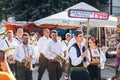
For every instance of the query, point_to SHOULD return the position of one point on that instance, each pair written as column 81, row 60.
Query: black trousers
column 80, row 75
column 43, row 64
column 54, row 70
column 12, row 67
column 23, row 73
column 95, row 72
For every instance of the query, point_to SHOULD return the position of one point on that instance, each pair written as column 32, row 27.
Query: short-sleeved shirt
column 5, row 76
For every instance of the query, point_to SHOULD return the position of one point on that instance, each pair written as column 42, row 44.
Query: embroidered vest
column 94, row 60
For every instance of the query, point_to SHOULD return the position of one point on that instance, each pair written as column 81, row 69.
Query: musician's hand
column 99, row 65
column 24, row 60
column 67, row 64
column 65, row 52
column 30, row 57
column 85, row 64
column 57, row 58
column 84, row 54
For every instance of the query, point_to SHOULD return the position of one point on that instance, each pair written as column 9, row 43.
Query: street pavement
column 106, row 73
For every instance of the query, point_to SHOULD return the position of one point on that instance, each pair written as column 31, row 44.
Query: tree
column 31, row 10
column 4, row 6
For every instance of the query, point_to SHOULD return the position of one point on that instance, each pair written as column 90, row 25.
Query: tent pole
column 88, row 29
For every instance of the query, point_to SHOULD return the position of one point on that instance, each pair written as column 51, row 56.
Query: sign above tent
column 76, row 13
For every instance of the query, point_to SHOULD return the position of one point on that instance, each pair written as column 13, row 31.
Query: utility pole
column 111, row 4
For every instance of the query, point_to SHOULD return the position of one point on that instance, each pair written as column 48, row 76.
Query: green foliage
column 31, row 10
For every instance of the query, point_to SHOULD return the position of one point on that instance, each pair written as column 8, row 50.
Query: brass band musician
column 8, row 45
column 65, row 43
column 53, row 53
column 23, row 55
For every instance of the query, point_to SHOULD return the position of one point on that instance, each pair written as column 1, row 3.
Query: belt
column 52, row 60
column 20, row 64
column 95, row 64
column 41, row 55
column 78, row 68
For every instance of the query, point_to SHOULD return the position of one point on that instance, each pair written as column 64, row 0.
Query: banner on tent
column 76, row 13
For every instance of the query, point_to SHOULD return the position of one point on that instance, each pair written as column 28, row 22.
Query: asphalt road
column 106, row 73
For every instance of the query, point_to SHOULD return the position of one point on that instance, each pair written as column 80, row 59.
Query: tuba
column 28, row 62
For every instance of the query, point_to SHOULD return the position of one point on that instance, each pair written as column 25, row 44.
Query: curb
column 110, row 65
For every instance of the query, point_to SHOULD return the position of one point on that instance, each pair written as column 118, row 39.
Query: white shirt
column 64, row 45
column 5, row 44
column 21, row 52
column 17, row 40
column 95, row 53
column 53, row 47
column 72, row 41
column 73, row 56
column 43, row 43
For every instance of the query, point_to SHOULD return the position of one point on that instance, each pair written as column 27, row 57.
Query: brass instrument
column 65, row 53
column 9, row 49
column 60, row 57
column 28, row 62
column 9, row 54
column 62, row 60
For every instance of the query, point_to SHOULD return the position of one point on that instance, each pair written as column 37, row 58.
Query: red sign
column 75, row 13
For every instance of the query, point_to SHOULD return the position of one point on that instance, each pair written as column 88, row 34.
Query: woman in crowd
column 97, row 60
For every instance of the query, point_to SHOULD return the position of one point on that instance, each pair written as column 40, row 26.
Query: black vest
column 78, row 55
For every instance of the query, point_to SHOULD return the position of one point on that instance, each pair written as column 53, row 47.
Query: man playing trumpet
column 23, row 56
column 53, row 53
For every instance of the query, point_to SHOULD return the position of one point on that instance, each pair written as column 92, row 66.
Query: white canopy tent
column 61, row 20
column 82, row 6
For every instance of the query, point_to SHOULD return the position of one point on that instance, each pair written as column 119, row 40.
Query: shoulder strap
column 65, row 43
column 7, row 43
column 18, row 39
column 99, row 50
column 90, row 53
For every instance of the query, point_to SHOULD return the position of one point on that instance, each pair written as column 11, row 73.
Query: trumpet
column 28, row 62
